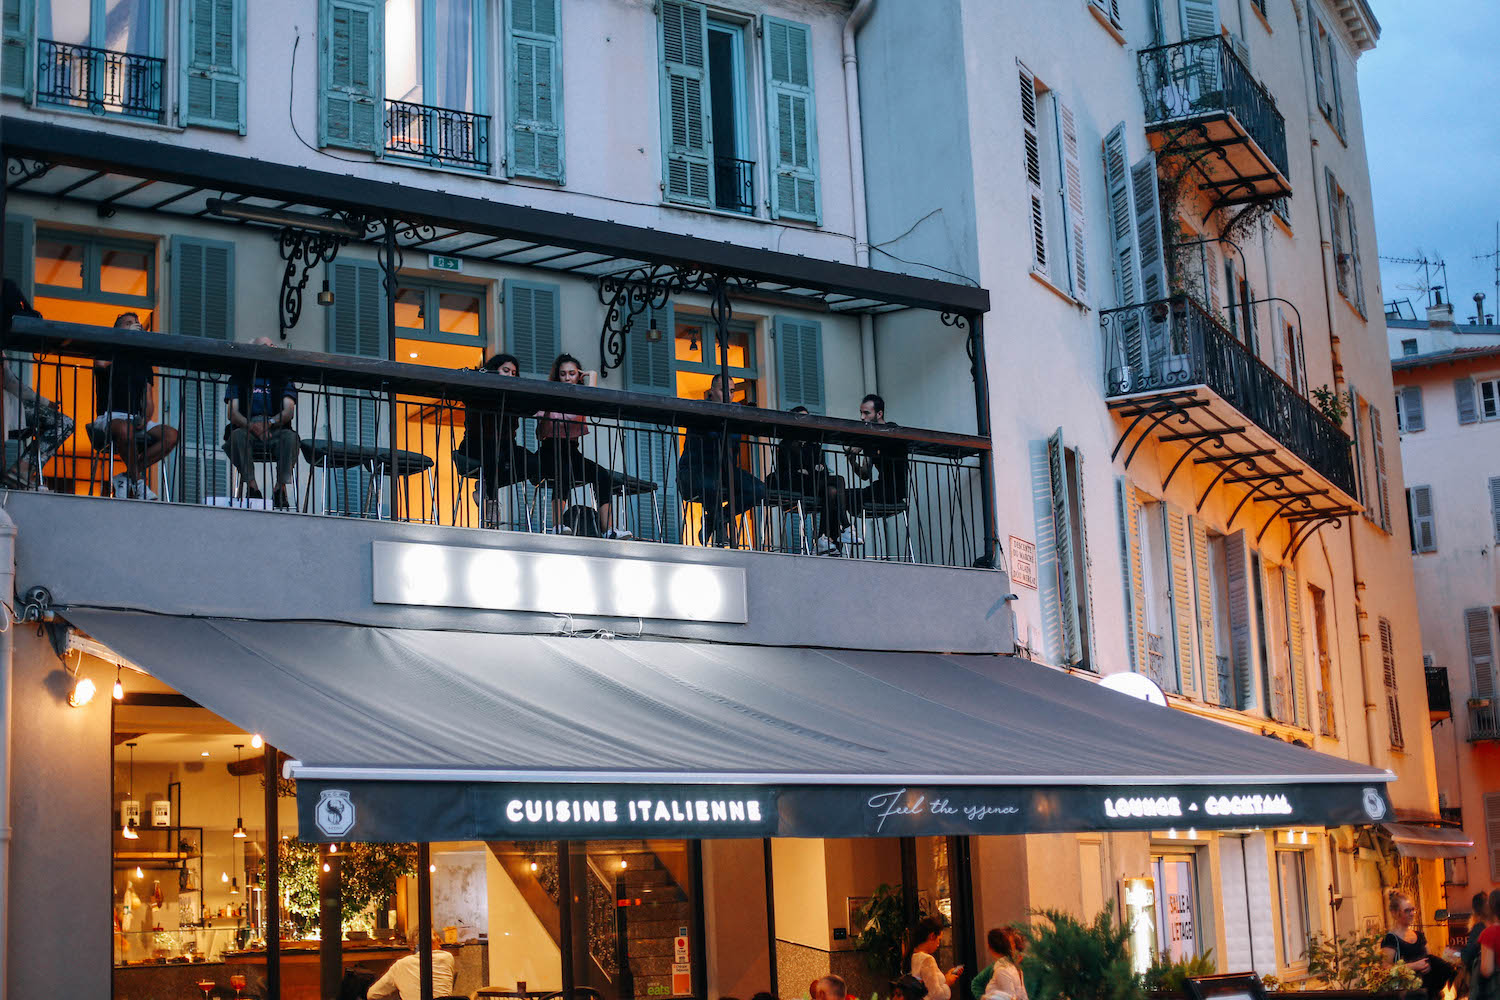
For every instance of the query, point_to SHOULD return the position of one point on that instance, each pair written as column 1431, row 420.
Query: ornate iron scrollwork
column 19, row 169
column 628, row 294
column 304, row 249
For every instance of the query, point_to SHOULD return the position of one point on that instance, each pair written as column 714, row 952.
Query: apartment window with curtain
column 102, row 57
column 1054, row 186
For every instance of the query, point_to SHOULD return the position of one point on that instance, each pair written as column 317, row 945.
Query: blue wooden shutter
column 202, row 288
column 1075, row 225
column 651, row 449
column 213, row 64
column 687, row 136
column 356, row 326
column 1412, row 417
column 1062, row 547
column 1199, row 18
column 1335, row 85
column 1031, row 149
column 533, row 42
column 1315, row 29
column 1463, row 394
column 799, row 363
column 532, row 325
column 791, row 116
column 1423, row 520
column 15, row 47
column 351, row 62
column 20, row 251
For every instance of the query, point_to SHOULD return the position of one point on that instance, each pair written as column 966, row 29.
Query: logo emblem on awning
column 1374, row 804
column 334, row 812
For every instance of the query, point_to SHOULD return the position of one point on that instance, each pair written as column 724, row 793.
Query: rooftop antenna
column 1493, row 256
column 1428, row 266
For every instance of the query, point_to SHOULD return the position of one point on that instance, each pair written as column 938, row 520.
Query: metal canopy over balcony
column 1176, row 376
column 1208, row 117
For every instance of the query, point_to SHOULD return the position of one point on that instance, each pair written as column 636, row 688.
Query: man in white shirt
column 403, row 980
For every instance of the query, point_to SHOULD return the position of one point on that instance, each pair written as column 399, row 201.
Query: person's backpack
column 581, row 520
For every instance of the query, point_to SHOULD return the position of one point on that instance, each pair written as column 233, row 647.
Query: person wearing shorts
column 125, row 398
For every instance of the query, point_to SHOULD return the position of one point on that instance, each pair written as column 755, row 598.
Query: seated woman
column 1408, row 944
column 801, row 468
column 707, row 473
column 563, row 463
column 490, row 444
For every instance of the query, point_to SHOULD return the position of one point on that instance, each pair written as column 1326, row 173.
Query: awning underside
column 389, row 706
column 1415, row 841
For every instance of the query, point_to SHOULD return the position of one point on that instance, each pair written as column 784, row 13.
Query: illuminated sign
column 1163, row 805
column 453, row 576
column 638, row 812
column 1171, row 806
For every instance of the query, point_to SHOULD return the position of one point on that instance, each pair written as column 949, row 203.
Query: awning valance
column 1415, row 841
column 427, row 735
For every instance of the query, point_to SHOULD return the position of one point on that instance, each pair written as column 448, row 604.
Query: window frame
column 709, row 338
column 1408, row 347
column 433, row 291
column 98, row 39
column 427, row 59
column 93, row 261
column 740, row 31
column 1493, row 384
column 1281, row 904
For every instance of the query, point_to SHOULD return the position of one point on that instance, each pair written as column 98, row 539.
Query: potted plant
column 1172, row 977
column 1067, row 959
column 880, row 931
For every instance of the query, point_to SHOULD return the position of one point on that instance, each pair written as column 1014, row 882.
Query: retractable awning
column 427, row 735
column 1416, row 841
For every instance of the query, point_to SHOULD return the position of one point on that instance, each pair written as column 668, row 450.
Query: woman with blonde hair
column 1407, row 943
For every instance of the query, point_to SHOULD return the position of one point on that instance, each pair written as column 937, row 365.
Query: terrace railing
column 663, row 465
column 102, row 81
column 440, row 136
column 734, row 184
column 1202, row 77
column 1484, row 721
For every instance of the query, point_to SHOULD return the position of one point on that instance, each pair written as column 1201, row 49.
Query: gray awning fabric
column 483, row 715
column 1414, row 841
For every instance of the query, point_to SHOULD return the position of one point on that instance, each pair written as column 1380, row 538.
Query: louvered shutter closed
column 791, row 115
column 1296, row 646
column 352, row 62
column 1356, row 268
column 356, row 326
column 1180, row 573
column 15, row 41
column 1335, row 86
column 202, row 288
column 1199, row 18
column 1463, row 394
column 1062, row 546
column 1128, row 506
column 1481, row 651
column 1412, row 417
column 1073, row 203
column 1208, row 650
column 1336, row 233
column 1319, row 79
column 1392, row 701
column 1152, row 257
column 20, row 251
column 1031, row 152
column 1492, row 832
column 1423, row 522
column 688, row 145
column 1241, row 640
column 533, row 50
column 1382, row 485
column 213, row 64
column 799, row 363
column 1495, row 505
column 532, row 330
column 650, row 450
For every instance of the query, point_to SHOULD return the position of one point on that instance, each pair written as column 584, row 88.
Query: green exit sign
column 438, row 262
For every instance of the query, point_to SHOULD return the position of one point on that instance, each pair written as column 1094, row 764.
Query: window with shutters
column 212, row 84
column 1070, row 553
column 1420, row 519
column 533, row 54
column 1109, row 15
column 1055, row 187
column 1219, row 621
column 1409, row 415
column 1327, row 720
column 1388, row 665
column 102, row 57
column 1328, row 58
column 1344, row 236
column 433, row 63
column 1489, row 399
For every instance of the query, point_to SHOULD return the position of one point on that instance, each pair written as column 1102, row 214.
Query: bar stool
column 467, row 467
column 872, row 511
column 331, row 456
column 408, row 464
column 791, row 503
column 102, row 455
column 262, row 456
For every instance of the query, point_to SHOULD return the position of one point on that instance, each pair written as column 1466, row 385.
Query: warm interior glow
column 83, row 693
column 257, row 742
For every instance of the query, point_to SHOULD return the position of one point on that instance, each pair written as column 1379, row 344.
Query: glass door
column 1177, row 922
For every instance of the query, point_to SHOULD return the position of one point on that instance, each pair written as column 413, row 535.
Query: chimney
column 1439, row 313
column 1478, row 307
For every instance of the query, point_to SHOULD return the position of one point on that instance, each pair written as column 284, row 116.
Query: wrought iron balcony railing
column 1439, row 699
column 1202, row 77
column 734, row 184
column 1484, row 721
column 99, row 80
column 440, row 136
column 1173, row 344
column 468, row 450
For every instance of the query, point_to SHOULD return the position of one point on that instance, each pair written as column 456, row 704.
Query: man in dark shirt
column 260, row 422
column 125, row 398
column 884, row 464
column 708, row 473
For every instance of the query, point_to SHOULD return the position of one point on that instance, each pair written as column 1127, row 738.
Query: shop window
column 1176, row 898
column 1291, row 880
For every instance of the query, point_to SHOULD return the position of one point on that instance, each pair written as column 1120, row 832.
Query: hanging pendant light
column 127, row 828
column 119, row 690
column 239, row 822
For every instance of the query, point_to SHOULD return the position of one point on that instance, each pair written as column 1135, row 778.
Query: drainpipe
column 857, row 18
column 7, row 594
column 1304, row 27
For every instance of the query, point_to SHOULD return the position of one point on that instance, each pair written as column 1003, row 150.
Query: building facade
column 1445, row 397
column 1094, row 309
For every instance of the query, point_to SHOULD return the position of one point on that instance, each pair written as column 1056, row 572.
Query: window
column 534, row 142
column 1326, row 75
column 1226, row 679
column 1489, row 399
column 1392, row 704
column 1420, row 520
column 1177, row 936
column 1070, row 551
column 1382, row 514
column 1109, row 10
column 442, row 325
column 94, row 276
column 1157, row 594
column 1291, row 882
column 1409, row 347
column 101, row 56
column 1409, row 416
column 1344, row 232
column 707, row 135
column 1054, row 181
column 1481, row 657
column 1287, row 352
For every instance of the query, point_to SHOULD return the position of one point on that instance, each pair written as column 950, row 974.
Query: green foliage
column 368, row 875
column 1332, row 403
column 1071, row 960
column 1172, row 977
column 1399, row 976
column 880, row 930
column 1343, row 963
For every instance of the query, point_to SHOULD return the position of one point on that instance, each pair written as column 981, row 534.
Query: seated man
column 403, row 980
column 260, row 420
column 708, row 473
column 125, row 398
column 884, row 464
column 30, row 417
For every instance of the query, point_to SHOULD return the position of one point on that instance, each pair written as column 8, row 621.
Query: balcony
column 1439, row 699
column 441, row 137
column 734, row 185
column 1484, row 721
column 1206, row 111
column 100, row 81
column 1175, row 375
